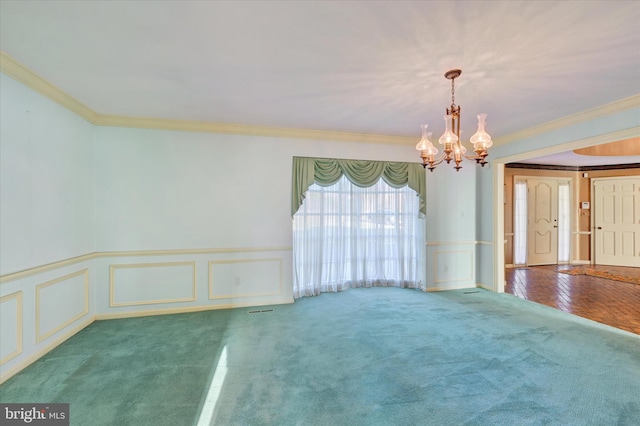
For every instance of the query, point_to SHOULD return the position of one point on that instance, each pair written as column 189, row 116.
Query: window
column 564, row 222
column 520, row 224
column 347, row 236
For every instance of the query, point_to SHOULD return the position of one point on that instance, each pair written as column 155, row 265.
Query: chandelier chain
column 453, row 92
column 453, row 149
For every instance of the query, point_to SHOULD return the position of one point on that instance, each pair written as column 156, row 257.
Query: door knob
column 599, row 227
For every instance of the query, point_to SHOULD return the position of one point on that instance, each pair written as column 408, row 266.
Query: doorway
column 616, row 221
column 542, row 220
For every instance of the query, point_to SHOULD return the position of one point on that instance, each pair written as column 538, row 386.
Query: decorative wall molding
column 182, row 310
column 132, row 253
column 43, row 350
column 19, row 325
column 19, row 72
column 172, row 252
column 213, row 263
column 46, row 267
column 440, row 280
column 249, row 130
column 455, row 286
column 42, row 336
column 453, row 243
column 590, row 114
column 56, row 327
column 569, row 146
column 22, row 74
column 112, row 283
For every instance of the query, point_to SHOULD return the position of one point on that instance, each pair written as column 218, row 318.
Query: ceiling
column 368, row 67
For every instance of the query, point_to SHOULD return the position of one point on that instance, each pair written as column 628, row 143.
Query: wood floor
column 606, row 301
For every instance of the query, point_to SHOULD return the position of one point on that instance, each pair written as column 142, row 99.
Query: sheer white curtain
column 564, row 222
column 520, row 223
column 346, row 236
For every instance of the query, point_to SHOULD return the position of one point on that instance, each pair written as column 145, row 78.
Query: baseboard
column 43, row 351
column 484, row 286
column 119, row 315
column 581, row 262
column 184, row 310
column 451, row 287
column 509, row 265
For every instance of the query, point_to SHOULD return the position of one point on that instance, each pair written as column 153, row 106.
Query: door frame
column 497, row 166
column 572, row 202
column 592, row 225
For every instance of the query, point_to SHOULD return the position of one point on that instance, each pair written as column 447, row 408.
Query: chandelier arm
column 455, row 151
column 436, row 162
column 440, row 159
column 475, row 157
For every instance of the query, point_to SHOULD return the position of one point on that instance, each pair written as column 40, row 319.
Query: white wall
column 46, row 180
column 451, row 227
column 46, row 215
column 225, row 199
column 168, row 221
column 180, row 190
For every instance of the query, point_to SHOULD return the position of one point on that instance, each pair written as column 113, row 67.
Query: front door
column 542, row 202
column 617, row 221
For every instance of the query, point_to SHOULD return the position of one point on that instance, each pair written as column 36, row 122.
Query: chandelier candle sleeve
column 453, row 149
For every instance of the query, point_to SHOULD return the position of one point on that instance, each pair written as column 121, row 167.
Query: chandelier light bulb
column 424, row 143
column 451, row 139
column 448, row 137
column 481, row 139
column 459, row 149
column 431, row 150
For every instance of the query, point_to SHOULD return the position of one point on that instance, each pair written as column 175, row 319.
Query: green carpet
column 379, row 356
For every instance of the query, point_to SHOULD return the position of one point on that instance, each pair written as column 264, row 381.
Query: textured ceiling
column 371, row 67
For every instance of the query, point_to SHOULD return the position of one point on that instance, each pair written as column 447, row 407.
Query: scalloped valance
column 362, row 173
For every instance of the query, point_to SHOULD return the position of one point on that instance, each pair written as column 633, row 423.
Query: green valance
column 363, row 173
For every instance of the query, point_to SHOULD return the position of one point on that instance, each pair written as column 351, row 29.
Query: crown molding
column 24, row 75
column 569, row 120
column 248, row 129
column 570, row 146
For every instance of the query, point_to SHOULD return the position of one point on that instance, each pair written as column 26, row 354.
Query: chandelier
column 450, row 139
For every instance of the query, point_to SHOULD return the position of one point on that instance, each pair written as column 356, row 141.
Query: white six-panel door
column 617, row 221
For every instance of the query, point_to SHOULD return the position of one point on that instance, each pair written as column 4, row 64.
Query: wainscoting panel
column 45, row 305
column 152, row 283
column 453, row 266
column 70, row 291
column 10, row 326
column 41, row 307
column 242, row 278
